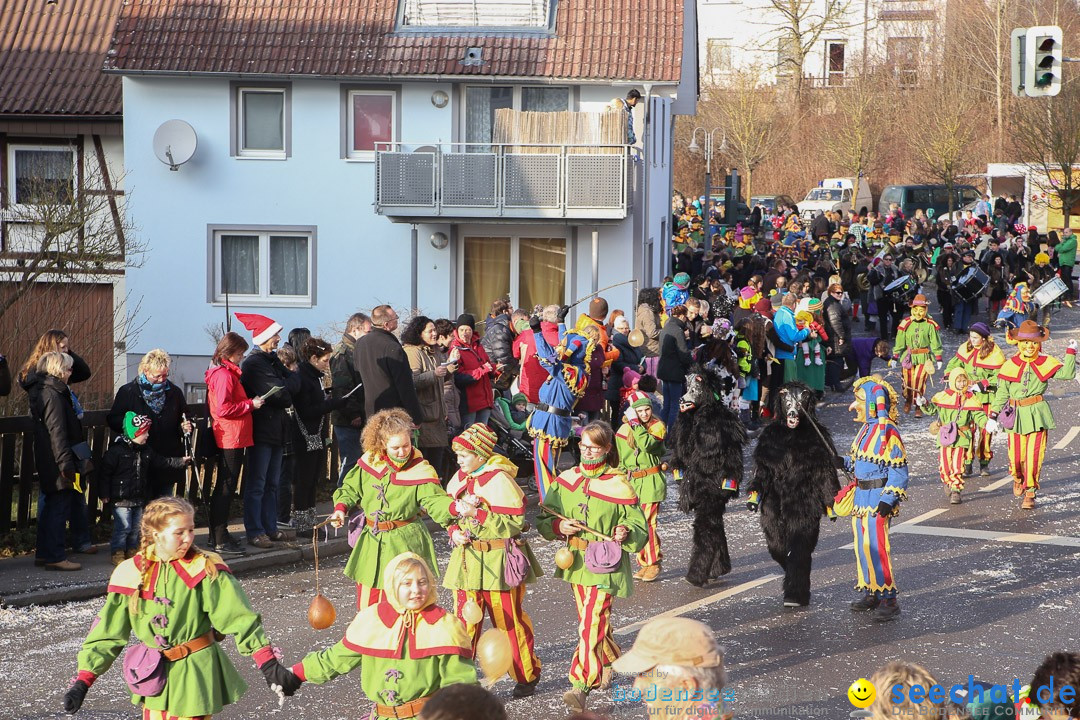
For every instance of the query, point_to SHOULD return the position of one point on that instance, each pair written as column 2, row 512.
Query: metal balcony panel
column 469, row 180
column 595, row 181
column 406, row 179
column 531, row 181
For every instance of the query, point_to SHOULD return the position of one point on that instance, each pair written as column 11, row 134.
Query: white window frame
column 842, row 74
column 263, row 298
column 517, row 92
column 367, row 155
column 722, row 44
column 10, row 160
column 515, row 260
column 260, row 154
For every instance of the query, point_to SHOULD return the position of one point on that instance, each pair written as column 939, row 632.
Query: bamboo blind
column 592, row 129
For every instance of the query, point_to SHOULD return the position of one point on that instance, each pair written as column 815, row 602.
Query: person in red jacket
column 230, row 409
column 475, row 372
column 533, row 374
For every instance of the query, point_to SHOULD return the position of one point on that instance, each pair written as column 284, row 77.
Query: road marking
column 991, row 535
column 925, row 516
column 1007, row 480
column 1069, row 437
column 674, row 612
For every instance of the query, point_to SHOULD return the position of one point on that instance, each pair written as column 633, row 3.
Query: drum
column 971, row 284
column 902, row 289
column 1049, row 291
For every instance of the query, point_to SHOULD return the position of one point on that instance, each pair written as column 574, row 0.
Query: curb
column 275, row 558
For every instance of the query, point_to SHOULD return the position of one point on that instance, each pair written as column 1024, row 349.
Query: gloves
column 563, row 312
column 277, row 674
column 920, row 400
column 1072, row 345
column 73, row 698
column 884, row 508
column 459, row 537
column 839, row 463
column 938, row 364
column 534, row 323
column 630, row 415
column 992, row 426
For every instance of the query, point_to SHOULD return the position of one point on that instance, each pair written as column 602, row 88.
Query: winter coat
column 788, row 332
column 230, row 407
column 388, row 381
column 473, row 375
column 310, row 403
column 532, row 374
column 1066, row 251
column 675, row 359
column 648, row 322
column 593, row 399
column 423, row 361
column 56, row 430
column 259, row 372
column 166, row 437
column 498, row 341
column 343, row 378
column 125, row 470
column 837, row 324
column 629, row 357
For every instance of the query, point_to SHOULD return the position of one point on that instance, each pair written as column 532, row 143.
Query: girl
column 596, row 495
column 954, row 406
column 391, row 482
column 981, row 359
column 407, row 647
column 179, row 601
column 491, row 562
column 640, row 442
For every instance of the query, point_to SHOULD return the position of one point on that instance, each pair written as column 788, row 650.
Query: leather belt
column 544, row 407
column 179, row 652
column 496, row 544
column 1024, row 402
column 635, row 474
column 406, row 710
column 871, row 484
column 919, row 351
column 387, row 525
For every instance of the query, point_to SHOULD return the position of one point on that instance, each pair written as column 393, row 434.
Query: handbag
column 356, row 527
column 516, row 566
column 603, row 556
column 312, row 441
column 1007, row 417
column 144, row 670
column 947, row 434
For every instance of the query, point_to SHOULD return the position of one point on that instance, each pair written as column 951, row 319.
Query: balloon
column 321, row 613
column 564, row 558
column 636, row 338
column 471, row 612
column 493, row 655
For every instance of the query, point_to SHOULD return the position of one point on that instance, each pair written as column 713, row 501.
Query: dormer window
column 509, row 15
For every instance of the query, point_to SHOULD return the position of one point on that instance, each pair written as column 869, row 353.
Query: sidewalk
column 25, row 584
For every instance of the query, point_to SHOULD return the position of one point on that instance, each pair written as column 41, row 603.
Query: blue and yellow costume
column 1016, row 307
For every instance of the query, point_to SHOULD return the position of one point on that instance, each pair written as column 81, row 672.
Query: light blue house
column 347, row 156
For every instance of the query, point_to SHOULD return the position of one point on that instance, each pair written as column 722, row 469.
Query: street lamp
column 710, row 136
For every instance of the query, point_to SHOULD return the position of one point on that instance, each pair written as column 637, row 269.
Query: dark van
column 923, row 197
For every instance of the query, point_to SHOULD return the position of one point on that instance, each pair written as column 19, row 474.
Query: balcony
column 504, row 181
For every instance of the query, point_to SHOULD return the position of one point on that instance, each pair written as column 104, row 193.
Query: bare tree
column 861, row 124
column 1046, row 134
column 802, row 25
column 986, row 27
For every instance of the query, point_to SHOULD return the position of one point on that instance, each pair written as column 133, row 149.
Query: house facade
column 353, row 154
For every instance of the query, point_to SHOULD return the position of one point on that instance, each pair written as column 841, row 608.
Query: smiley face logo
column 861, row 694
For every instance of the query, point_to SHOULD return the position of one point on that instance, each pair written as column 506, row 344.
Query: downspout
column 414, row 302
column 595, row 260
column 647, row 150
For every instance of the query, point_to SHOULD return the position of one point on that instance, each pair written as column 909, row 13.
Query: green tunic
column 602, row 503
column 387, row 493
column 1019, row 379
column 182, row 605
column 918, row 335
column 978, row 369
column 813, row 374
column 965, row 411
column 644, row 452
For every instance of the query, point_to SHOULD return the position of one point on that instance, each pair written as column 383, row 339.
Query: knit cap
column 135, row 425
column 478, row 438
column 638, row 399
column 519, row 397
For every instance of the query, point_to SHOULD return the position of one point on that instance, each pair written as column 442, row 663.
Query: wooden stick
column 584, row 527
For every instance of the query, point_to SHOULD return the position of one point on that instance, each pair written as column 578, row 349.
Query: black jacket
column 56, row 430
column 820, row 226
column 675, row 359
column 837, row 324
column 629, row 357
column 498, row 340
column 344, row 377
column 166, row 436
column 388, row 380
column 309, row 401
column 259, row 372
column 125, row 467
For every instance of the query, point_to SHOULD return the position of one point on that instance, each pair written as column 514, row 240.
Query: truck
column 843, row 195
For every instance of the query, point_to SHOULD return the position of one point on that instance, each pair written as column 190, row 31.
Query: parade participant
column 916, row 339
column 640, row 442
column 594, row 509
column 391, row 483
column 879, row 463
column 1021, row 383
column 180, row 602
column 407, row 647
column 491, row 562
column 981, row 359
column 960, row 416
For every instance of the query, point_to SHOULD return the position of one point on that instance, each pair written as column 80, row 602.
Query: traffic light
column 1018, row 49
column 1042, row 61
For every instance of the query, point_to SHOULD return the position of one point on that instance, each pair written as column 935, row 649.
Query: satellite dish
column 175, row 143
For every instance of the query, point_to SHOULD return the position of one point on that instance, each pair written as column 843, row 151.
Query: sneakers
column 648, row 573
column 280, row 537
column 522, row 690
column 261, row 541
column 886, row 610
column 869, row 601
column 575, row 700
column 229, row 547
column 88, row 550
column 118, row 557
column 63, row 565
column 954, row 498
column 1029, row 501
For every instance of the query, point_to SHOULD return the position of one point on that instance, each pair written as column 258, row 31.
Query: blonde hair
column 382, row 426
column 155, row 517
column 907, row 675
column 157, row 359
column 408, row 565
column 55, row 364
column 49, row 341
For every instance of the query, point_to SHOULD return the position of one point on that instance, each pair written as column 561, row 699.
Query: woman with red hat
column 1019, row 408
column 916, row 339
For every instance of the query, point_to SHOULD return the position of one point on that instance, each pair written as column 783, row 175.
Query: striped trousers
column 148, row 714
column 951, row 461
column 367, row 596
column 545, row 462
column 915, row 379
column 872, row 561
column 596, row 647
column 1026, row 453
column 507, row 613
column 651, row 554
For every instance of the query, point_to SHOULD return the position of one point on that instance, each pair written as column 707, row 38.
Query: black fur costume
column 794, row 484
column 707, row 449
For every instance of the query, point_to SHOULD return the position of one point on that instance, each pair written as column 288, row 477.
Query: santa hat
column 638, row 399
column 478, row 438
column 262, row 328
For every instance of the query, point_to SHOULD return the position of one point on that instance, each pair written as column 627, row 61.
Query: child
column 957, row 406
column 180, row 600
column 124, row 470
column 640, row 442
column 406, row 646
column 812, row 369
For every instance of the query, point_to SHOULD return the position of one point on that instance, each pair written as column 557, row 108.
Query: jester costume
column 879, row 463
column 918, row 345
column 981, row 364
column 641, row 447
column 960, row 416
column 391, row 496
column 405, row 656
column 550, row 421
column 1016, row 307
column 477, row 570
column 1021, row 383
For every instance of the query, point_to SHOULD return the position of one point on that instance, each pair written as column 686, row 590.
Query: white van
column 842, row 195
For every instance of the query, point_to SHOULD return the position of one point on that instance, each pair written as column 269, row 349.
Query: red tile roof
column 51, row 58
column 593, row 40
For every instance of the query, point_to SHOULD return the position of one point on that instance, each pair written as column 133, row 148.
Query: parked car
column 771, row 202
column 923, row 197
column 843, row 195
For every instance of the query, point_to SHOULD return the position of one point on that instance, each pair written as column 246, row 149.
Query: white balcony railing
column 463, row 180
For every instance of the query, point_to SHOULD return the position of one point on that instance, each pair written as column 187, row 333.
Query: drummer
column 1040, row 273
column 917, row 338
column 965, row 309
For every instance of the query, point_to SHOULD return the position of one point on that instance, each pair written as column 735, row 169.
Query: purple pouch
column 356, row 526
column 905, row 361
column 516, row 565
column 603, row 557
column 1007, row 417
column 947, row 434
column 144, row 670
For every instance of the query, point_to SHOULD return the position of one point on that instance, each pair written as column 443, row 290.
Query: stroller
column 514, row 444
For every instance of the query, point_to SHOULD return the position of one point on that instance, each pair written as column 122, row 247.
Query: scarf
column 153, row 395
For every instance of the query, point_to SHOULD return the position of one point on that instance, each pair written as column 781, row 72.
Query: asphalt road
column 986, row 589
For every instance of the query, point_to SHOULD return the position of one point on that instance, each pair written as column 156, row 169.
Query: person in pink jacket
column 230, row 410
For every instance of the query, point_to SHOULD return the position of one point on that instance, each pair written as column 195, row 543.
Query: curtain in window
column 288, row 265
column 43, row 176
column 480, row 106
column 264, row 120
column 541, row 272
column 487, row 273
column 240, row 264
column 545, row 99
column 373, row 117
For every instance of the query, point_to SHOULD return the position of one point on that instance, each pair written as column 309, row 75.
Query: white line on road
column 1007, row 480
column 925, row 516
column 701, row 603
column 992, row 535
column 1069, row 437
